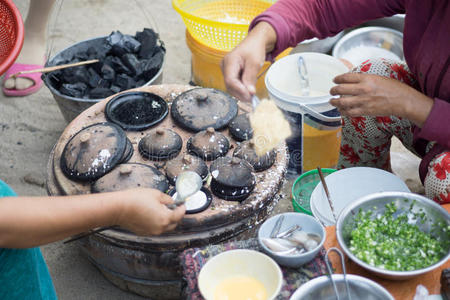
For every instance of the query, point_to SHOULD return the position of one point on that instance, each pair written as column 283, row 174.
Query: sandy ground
column 30, row 126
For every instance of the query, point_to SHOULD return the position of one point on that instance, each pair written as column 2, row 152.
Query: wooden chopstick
column 325, row 187
column 55, row 68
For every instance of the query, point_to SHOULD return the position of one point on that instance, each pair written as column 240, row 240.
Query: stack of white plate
column 347, row 185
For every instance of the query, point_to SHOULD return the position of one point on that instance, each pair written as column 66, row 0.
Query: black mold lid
column 246, row 151
column 128, row 153
column 93, row 151
column 240, row 128
column 132, row 175
column 185, row 163
column 208, row 144
column 160, row 144
column 200, row 108
column 232, row 178
column 136, row 111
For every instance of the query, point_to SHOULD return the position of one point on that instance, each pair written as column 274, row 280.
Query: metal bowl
column 322, row 288
column 379, row 37
column 376, row 202
column 315, row 45
column 396, row 22
column 71, row 107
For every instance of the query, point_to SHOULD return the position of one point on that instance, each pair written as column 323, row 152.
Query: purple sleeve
column 437, row 125
column 297, row 20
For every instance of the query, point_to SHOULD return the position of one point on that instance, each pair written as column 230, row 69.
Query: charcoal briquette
column 93, row 78
column 131, row 44
column 76, row 90
column 108, row 72
column 148, row 39
column 115, row 89
column 119, row 67
column 114, row 38
column 125, row 82
column 99, row 93
column 151, row 66
column 132, row 63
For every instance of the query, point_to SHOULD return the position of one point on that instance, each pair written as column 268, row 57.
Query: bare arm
column 33, row 221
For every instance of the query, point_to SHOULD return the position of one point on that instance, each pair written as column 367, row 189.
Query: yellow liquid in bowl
column 240, row 288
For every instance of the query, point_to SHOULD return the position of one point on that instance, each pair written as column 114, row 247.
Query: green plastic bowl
column 303, row 187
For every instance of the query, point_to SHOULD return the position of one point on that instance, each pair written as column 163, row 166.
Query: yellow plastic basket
column 219, row 24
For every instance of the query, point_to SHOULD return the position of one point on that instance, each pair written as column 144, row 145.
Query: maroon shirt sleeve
column 436, row 127
column 297, row 20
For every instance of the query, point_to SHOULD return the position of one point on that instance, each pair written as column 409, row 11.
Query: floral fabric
column 366, row 140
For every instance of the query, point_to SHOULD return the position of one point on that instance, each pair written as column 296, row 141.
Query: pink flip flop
column 35, row 77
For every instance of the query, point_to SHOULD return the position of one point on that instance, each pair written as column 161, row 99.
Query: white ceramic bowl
column 309, row 224
column 347, row 185
column 240, row 263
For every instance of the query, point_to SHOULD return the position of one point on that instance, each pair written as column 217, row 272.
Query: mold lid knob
column 210, row 130
column 201, row 96
column 85, row 137
column 125, row 170
column 187, row 160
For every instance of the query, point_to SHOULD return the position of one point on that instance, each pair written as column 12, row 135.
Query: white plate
column 347, row 185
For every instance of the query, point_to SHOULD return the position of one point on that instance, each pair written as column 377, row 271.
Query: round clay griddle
column 200, row 108
column 132, row 175
column 93, row 151
column 220, row 216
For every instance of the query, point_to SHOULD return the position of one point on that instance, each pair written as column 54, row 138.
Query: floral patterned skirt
column 366, row 140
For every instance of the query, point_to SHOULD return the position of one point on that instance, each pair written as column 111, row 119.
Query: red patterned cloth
column 193, row 259
column 366, row 141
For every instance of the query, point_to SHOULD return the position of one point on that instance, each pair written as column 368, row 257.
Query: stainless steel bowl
column 360, row 288
column 71, row 107
column 380, row 37
column 376, row 202
column 396, row 22
column 315, row 45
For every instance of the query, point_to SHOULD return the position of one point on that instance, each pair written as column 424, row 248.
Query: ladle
column 187, row 184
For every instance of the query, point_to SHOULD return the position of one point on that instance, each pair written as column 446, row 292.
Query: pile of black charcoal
column 125, row 62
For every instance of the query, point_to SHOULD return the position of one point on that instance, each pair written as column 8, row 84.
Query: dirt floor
column 30, row 126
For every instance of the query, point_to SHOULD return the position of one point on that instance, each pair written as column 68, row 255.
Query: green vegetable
column 392, row 243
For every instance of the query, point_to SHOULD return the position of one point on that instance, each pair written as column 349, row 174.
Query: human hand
column 240, row 67
column 374, row 95
column 145, row 212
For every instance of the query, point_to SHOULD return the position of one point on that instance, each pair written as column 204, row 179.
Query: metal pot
column 70, row 106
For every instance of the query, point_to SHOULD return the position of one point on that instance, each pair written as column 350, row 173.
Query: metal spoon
column 187, row 184
column 304, row 78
